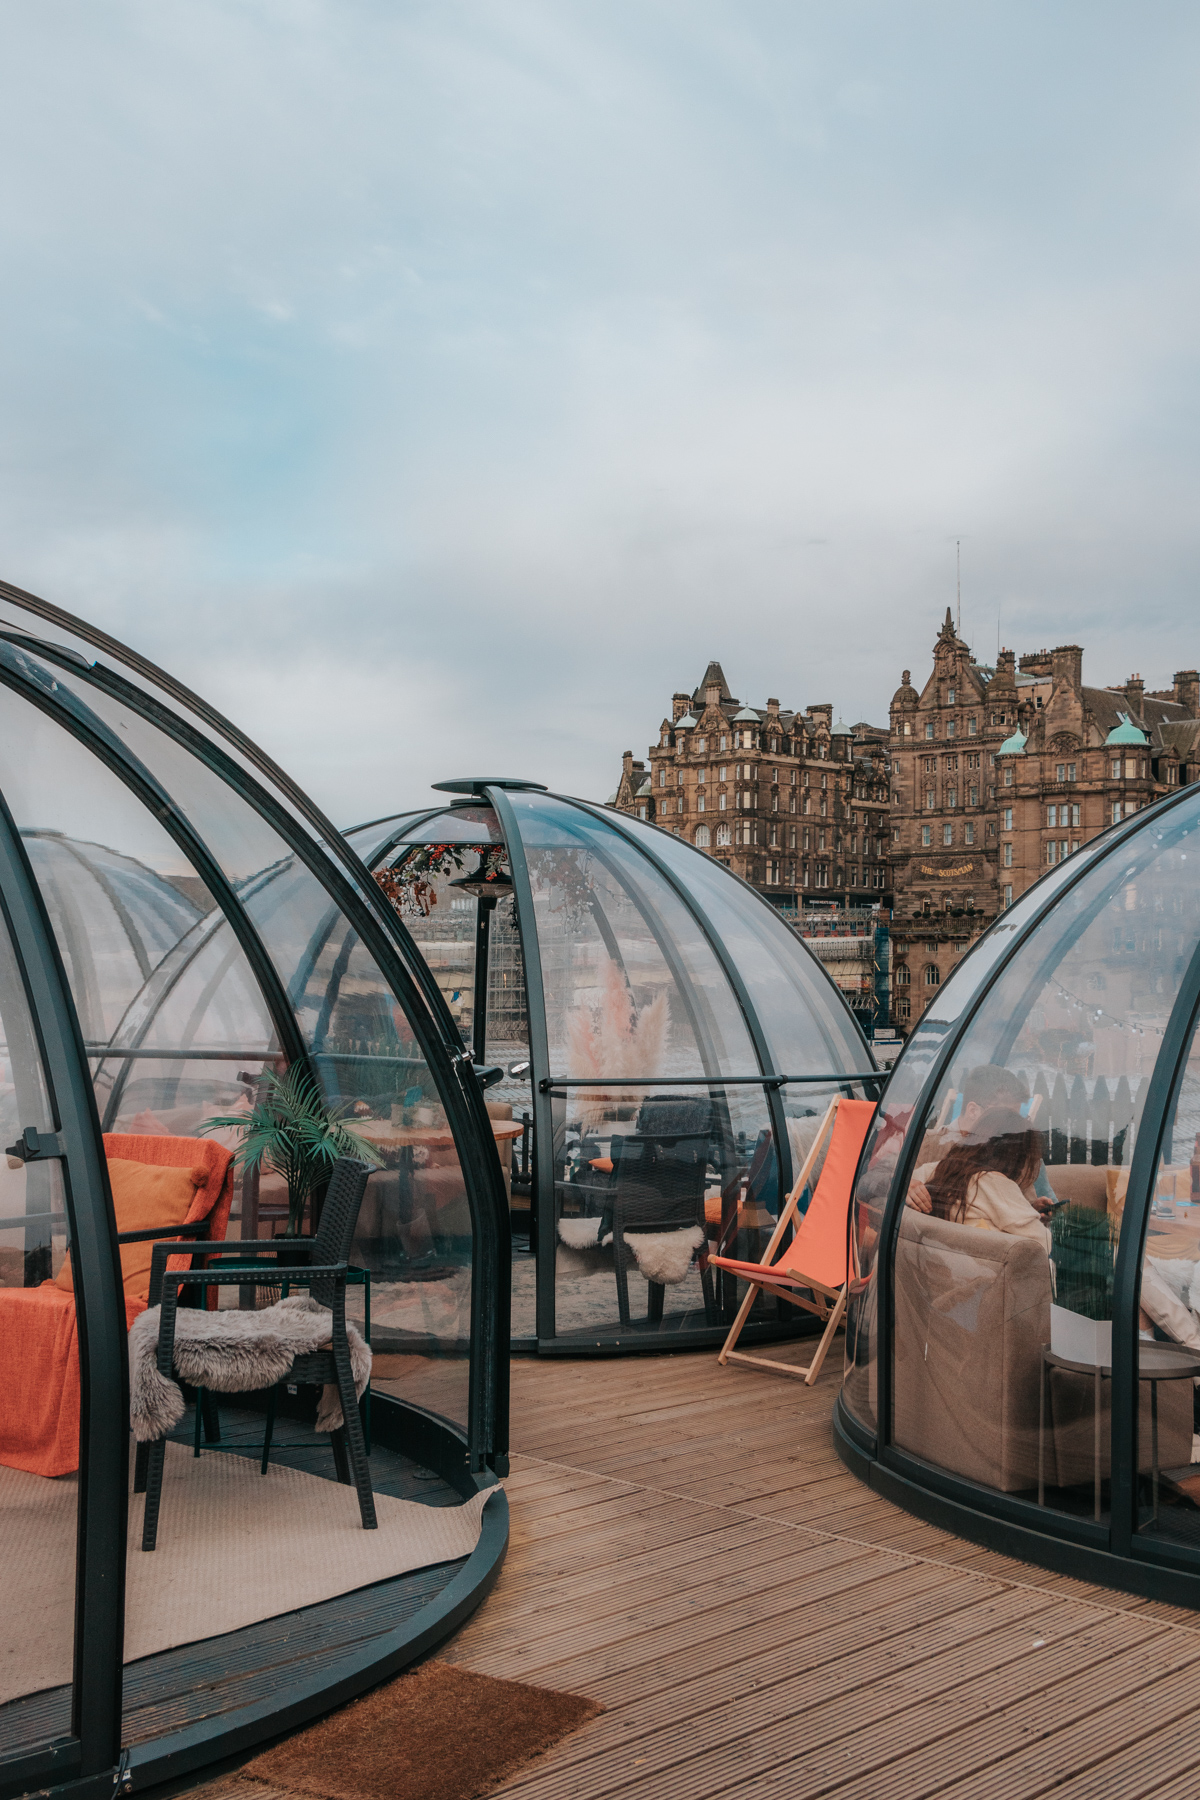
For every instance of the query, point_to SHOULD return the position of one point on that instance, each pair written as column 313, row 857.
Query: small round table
column 1156, row 1362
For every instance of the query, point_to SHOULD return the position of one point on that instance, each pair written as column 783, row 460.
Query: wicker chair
column 321, row 1264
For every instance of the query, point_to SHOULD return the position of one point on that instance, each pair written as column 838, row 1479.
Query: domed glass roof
column 627, row 976
column 179, row 928
column 1033, row 1175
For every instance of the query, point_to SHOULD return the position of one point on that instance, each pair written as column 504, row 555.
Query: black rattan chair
column 657, row 1184
column 321, row 1264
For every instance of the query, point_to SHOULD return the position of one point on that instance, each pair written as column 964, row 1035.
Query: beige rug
column 234, row 1547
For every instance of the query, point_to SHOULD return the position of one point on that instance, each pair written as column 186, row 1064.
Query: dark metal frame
column 88, row 1756
column 89, row 1760
column 546, row 1085
column 1113, row 1553
column 407, row 973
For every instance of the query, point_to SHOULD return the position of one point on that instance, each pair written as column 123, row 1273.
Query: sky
column 437, row 387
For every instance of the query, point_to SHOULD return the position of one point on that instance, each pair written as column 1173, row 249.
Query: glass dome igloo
column 661, row 1044
column 178, row 925
column 1024, row 1342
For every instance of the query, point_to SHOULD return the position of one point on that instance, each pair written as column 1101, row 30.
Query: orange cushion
column 145, row 1197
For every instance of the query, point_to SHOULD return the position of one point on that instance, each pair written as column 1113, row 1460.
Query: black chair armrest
column 197, row 1230
column 256, row 1275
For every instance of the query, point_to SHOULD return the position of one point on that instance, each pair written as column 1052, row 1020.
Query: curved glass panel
column 1168, row 1340
column 182, row 1033
column 37, row 1619
column 896, row 1115
column 1006, row 1243
column 807, row 1025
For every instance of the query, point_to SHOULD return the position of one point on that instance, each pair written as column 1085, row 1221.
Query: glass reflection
column 1007, row 1238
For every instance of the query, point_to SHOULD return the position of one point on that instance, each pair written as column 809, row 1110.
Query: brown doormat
column 435, row 1733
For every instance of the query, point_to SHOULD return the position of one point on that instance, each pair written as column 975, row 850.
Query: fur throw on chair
column 230, row 1353
column 662, row 1256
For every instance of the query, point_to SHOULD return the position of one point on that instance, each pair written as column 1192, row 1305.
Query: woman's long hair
column 1000, row 1141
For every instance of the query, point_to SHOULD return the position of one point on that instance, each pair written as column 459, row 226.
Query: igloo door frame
column 1114, row 1554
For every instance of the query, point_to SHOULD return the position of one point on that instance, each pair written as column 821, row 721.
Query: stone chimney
column 1066, row 667
column 1006, row 669
column 1135, row 689
column 627, row 763
column 712, row 695
column 1187, row 691
column 773, row 707
column 679, row 705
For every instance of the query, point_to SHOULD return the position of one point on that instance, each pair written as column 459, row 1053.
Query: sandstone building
column 997, row 774
column 792, row 801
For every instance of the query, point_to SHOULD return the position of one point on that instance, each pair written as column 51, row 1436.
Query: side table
column 1156, row 1362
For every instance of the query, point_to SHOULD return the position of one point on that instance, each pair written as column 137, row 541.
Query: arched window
column 900, row 975
column 933, row 976
column 703, row 837
column 724, row 835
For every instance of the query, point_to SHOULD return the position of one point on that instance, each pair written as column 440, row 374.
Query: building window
column 930, row 799
column 1074, row 815
column 824, row 781
column 1008, row 896
column 1052, row 815
column 1116, row 812
column 895, row 834
column 950, row 698
column 722, row 744
column 947, row 834
column 951, row 796
column 969, row 834
column 724, row 836
column 973, row 797
column 1052, row 852
column 701, row 744
column 720, row 803
column 641, row 812
column 933, row 975
column 1116, row 768
column 1008, row 812
column 1070, row 771
column 971, row 727
column 900, row 975
column 701, row 776
column 699, row 802
column 950, row 728
column 1008, row 856
column 1008, row 780
column 904, row 1009
column 929, row 728
column 703, row 837
column 772, row 874
column 679, row 804
column 926, row 835
column 662, row 774
column 822, row 875
column 722, row 772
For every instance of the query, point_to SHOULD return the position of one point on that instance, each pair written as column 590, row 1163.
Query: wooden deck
column 688, row 1549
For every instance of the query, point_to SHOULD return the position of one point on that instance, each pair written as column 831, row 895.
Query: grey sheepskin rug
column 662, row 1256
column 230, row 1353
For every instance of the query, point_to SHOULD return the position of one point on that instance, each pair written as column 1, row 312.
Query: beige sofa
column 972, row 1313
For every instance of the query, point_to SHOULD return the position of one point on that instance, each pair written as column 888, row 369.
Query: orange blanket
column 39, row 1395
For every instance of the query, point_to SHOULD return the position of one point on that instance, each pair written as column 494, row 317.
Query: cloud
column 437, row 389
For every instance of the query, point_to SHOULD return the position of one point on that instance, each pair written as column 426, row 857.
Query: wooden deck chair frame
column 827, row 1303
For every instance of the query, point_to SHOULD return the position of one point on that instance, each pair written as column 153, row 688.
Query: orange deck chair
column 39, row 1386
column 813, row 1271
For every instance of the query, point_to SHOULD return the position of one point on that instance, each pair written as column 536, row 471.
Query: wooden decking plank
column 1104, row 1697
column 806, row 1691
column 728, row 1572
column 1093, row 1756
column 632, row 1631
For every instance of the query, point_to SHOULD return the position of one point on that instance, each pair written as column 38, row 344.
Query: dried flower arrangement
column 612, row 1038
column 408, row 884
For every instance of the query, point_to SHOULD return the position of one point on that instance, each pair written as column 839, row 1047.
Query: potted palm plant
column 292, row 1131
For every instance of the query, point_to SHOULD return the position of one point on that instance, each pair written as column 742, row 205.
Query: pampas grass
column 612, row 1038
